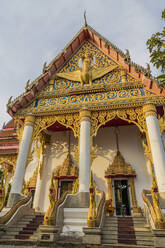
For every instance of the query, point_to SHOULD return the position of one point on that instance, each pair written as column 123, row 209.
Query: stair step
column 25, row 232
column 109, row 241
column 23, row 229
column 19, row 226
column 75, row 222
column 23, row 222
column 23, row 236
column 73, row 228
column 29, row 229
column 76, row 213
column 114, row 232
column 107, row 228
column 29, row 217
column 8, row 237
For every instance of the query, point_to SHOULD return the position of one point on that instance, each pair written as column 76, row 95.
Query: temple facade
column 90, row 131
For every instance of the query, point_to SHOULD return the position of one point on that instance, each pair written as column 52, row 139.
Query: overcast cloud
column 35, row 31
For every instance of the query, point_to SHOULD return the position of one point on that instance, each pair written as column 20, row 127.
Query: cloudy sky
column 35, row 31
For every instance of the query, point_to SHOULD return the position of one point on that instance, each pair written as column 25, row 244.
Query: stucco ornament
column 87, row 73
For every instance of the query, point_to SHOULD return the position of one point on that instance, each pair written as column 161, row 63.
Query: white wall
column 56, row 152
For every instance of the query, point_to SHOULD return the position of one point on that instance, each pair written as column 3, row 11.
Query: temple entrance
column 122, row 201
column 65, row 185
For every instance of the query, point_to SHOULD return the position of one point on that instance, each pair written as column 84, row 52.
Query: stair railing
column 100, row 209
column 154, row 210
column 5, row 219
column 51, row 214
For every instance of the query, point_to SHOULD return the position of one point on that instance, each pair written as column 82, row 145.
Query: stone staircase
column 127, row 232
column 24, row 229
column 74, row 220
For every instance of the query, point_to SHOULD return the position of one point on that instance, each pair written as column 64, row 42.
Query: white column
column 38, row 193
column 84, row 164
column 36, row 202
column 24, row 147
column 157, row 149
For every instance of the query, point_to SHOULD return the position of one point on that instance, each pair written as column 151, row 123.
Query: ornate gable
column 118, row 87
column 119, row 168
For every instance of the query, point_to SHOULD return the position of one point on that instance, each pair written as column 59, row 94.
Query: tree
column 156, row 46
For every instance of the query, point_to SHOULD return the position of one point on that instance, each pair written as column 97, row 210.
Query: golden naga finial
column 9, row 101
column 4, row 125
column 44, row 68
column 27, row 85
column 85, row 19
column 87, row 73
column 127, row 56
column 148, row 70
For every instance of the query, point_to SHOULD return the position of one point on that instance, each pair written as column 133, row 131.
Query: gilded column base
column 91, row 222
column 137, row 211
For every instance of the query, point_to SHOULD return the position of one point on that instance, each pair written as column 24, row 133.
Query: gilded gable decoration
column 67, row 169
column 119, row 168
column 87, row 73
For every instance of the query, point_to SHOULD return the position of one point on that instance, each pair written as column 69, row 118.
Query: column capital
column 149, row 109
column 85, row 114
column 29, row 120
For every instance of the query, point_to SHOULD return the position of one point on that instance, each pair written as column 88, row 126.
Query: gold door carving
column 121, row 169
column 68, row 170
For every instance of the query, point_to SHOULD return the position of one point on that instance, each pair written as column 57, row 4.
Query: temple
column 83, row 157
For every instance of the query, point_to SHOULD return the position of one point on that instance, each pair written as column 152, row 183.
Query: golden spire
column 85, row 19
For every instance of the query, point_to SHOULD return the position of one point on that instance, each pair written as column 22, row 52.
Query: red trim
column 65, row 177
column 31, row 188
column 120, row 175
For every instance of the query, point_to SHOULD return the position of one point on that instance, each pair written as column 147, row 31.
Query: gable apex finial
column 85, row 19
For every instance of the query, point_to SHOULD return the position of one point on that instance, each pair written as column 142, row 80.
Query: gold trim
column 71, row 121
column 149, row 109
column 85, row 115
column 161, row 121
column 119, row 167
column 29, row 120
column 130, row 115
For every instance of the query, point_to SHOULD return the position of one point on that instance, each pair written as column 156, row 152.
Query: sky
column 35, row 31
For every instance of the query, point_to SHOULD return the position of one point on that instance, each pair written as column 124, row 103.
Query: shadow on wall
column 60, row 144
column 106, row 143
column 100, row 183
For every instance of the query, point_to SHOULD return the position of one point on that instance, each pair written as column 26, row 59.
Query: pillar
column 24, row 147
column 157, row 149
column 84, row 162
column 135, row 207
column 38, row 193
column 110, row 192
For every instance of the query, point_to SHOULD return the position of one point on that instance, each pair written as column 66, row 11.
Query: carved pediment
column 67, row 169
column 104, row 83
column 119, row 167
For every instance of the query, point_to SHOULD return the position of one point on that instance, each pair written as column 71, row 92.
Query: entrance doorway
column 122, row 197
column 65, row 185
